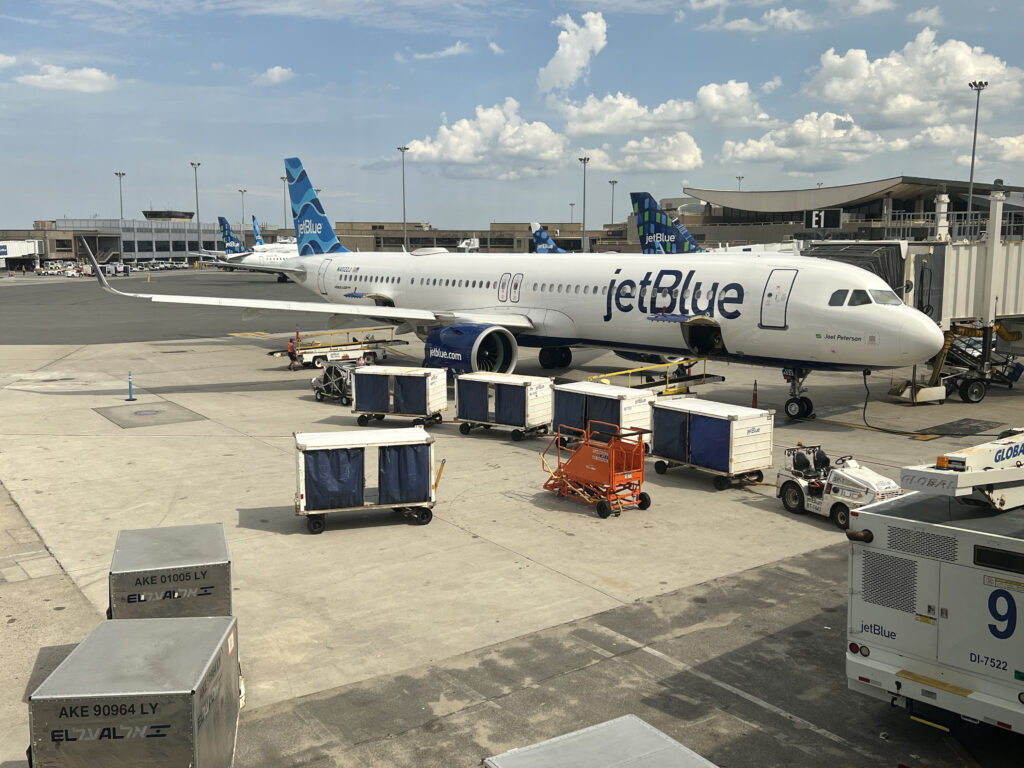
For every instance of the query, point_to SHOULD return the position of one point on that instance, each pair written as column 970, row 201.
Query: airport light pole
column 739, row 182
column 571, row 209
column 199, row 230
column 243, row 191
column 978, row 86
column 405, row 232
column 284, row 201
column 613, row 182
column 120, row 195
column 583, row 239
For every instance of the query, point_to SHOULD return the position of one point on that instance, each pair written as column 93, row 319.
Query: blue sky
column 496, row 101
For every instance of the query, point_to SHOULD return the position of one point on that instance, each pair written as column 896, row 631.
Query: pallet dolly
column 602, row 465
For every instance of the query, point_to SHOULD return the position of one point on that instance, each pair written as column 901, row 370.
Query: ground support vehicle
column 342, row 346
column 810, row 482
column 335, row 383
column 731, row 442
column 485, row 399
column 400, row 391
column 362, row 470
column 152, row 692
column 602, row 465
column 936, row 587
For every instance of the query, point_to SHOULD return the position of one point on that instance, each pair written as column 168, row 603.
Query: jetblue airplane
column 473, row 314
column 542, row 240
column 261, row 258
column 658, row 232
column 256, row 233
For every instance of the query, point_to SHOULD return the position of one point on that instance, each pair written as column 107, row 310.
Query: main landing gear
column 797, row 406
column 555, row 357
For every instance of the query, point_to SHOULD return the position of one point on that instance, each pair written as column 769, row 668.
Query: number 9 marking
column 1009, row 615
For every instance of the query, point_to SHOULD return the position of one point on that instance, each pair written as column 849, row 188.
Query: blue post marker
column 131, row 399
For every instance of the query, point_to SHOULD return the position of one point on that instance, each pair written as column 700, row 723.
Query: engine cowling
column 470, row 347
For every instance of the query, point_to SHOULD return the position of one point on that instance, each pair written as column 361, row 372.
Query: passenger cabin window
column 838, row 298
column 886, row 297
column 859, row 297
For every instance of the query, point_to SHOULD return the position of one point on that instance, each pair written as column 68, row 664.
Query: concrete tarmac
column 513, row 617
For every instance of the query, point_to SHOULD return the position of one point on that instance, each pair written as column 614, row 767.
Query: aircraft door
column 321, row 277
column 517, row 282
column 503, row 286
column 775, row 299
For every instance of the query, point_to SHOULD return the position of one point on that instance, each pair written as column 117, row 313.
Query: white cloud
column 680, row 17
column 496, row 142
column 86, row 79
column 931, row 17
column 678, row 152
column 576, row 46
column 495, row 48
column 925, row 82
column 812, row 143
column 274, row 76
column 217, row 66
column 865, row 7
column 457, row 49
column 782, row 19
column 771, row 85
column 1010, row 148
column 7, row 61
column 943, row 136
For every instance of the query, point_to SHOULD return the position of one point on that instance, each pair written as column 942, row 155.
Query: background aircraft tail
column 232, row 244
column 542, row 240
column 658, row 232
column 256, row 232
column 313, row 232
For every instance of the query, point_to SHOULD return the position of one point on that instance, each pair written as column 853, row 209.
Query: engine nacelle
column 470, row 347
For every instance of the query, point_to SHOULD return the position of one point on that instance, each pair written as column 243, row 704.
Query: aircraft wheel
column 564, row 357
column 282, row 279
column 603, row 509
column 808, row 407
column 793, row 498
column 840, row 516
column 548, row 357
column 643, row 501
column 973, row 391
column 795, row 408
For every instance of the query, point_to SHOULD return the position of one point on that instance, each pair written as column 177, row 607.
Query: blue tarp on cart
column 709, row 442
column 670, row 438
column 570, row 410
column 472, row 400
column 510, row 404
column 334, row 478
column 404, row 474
column 410, row 395
column 372, row 394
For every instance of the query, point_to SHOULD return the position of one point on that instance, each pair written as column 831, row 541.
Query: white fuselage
column 769, row 307
column 268, row 255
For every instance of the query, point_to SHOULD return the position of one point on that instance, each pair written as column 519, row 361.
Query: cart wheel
column 319, row 361
column 793, row 498
column 346, row 400
column 517, row 435
column 379, row 416
column 363, row 420
column 603, row 509
column 464, row 428
column 840, row 516
column 973, row 390
column 661, row 467
column 424, row 515
column 316, row 524
column 754, row 477
column 437, row 418
column 417, row 422
column 486, row 426
column 721, row 482
column 643, row 500
column 319, row 396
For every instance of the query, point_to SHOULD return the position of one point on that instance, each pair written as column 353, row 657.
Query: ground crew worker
column 292, row 357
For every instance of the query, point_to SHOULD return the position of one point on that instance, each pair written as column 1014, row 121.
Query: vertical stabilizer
column 313, row 232
column 232, row 244
column 256, row 232
column 658, row 232
column 542, row 240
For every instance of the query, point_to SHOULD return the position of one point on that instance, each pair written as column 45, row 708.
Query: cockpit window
column 838, row 298
column 886, row 297
column 859, row 297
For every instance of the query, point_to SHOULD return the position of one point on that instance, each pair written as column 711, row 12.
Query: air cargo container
column 392, row 390
column 484, row 399
column 579, row 403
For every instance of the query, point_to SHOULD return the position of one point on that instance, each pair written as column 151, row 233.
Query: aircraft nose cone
column 920, row 339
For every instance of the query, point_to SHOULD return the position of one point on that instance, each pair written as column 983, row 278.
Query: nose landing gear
column 797, row 406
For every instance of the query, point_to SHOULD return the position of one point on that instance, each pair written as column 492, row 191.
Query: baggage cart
column 579, row 403
column 731, row 442
column 485, row 399
column 365, row 469
column 624, row 741
column 335, row 383
column 182, row 570
column 400, row 391
column 160, row 693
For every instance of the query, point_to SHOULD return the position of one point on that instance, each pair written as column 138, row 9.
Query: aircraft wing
column 397, row 314
column 257, row 267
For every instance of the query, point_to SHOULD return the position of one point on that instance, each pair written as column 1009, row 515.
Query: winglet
column 313, row 232
column 97, row 269
column 658, row 233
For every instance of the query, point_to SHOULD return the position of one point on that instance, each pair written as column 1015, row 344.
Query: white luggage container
column 577, row 404
column 483, row 399
column 382, row 390
column 729, row 441
column 334, row 473
column 181, row 570
column 160, row 693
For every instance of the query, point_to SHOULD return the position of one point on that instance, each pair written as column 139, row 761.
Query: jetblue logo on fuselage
column 659, row 295
column 307, row 227
column 1009, row 452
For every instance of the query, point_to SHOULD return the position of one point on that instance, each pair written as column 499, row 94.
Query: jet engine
column 470, row 347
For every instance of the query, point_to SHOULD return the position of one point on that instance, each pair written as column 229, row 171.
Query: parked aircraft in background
column 261, row 258
column 474, row 314
column 542, row 240
column 660, row 233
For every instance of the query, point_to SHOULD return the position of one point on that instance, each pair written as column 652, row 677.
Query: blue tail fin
column 313, row 232
column 231, row 242
column 542, row 240
column 256, row 232
column 659, row 233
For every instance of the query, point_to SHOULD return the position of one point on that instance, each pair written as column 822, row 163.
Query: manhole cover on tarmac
column 966, row 427
column 147, row 413
column 131, row 416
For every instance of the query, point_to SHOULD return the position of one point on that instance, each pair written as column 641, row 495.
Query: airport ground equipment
column 664, row 378
column 731, row 442
column 809, row 481
column 400, row 391
column 624, row 741
column 485, row 399
column 160, row 693
column 937, row 587
column 181, row 570
column 335, row 383
column 579, row 403
column 318, row 349
column 602, row 465
column 362, row 470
